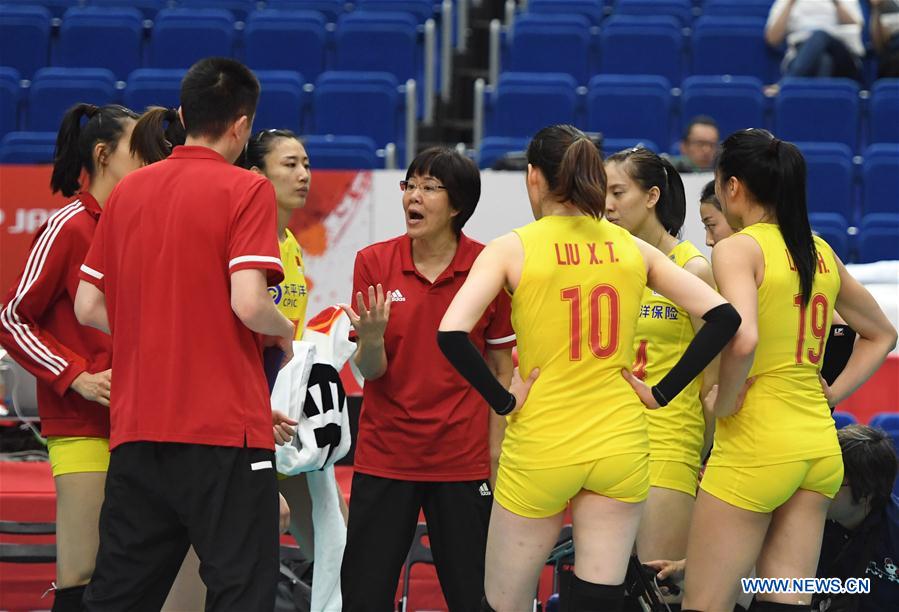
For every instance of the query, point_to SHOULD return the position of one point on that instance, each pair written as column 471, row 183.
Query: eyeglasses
column 426, row 188
column 705, row 144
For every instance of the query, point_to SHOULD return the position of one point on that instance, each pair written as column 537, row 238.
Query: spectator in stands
column 698, row 146
column 823, row 37
column 716, row 226
column 861, row 536
column 885, row 36
column 423, row 431
column 71, row 362
column 192, row 440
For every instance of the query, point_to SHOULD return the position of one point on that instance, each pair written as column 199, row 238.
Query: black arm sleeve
column 721, row 323
column 462, row 354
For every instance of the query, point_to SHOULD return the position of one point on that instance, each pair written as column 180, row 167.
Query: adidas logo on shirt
column 484, row 490
column 397, row 296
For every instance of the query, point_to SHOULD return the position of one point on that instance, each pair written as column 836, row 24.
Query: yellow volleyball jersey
column 785, row 416
column 574, row 314
column 663, row 332
column 291, row 296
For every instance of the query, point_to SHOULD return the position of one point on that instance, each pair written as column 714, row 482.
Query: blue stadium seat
column 642, row 45
column 238, row 8
column 548, row 97
column 829, row 184
column 24, row 38
column 54, row 90
column 733, row 45
column 737, row 8
column 817, row 110
column 28, row 148
column 842, row 419
column 494, row 147
column 832, row 227
column 682, row 10
column 286, row 40
column 878, row 237
column 282, row 101
column 591, row 9
column 885, row 420
column 344, row 104
column 153, row 87
column 884, row 107
column 421, row 9
column 101, row 37
column 148, row 8
column 379, row 42
column 10, row 96
column 637, row 107
column 880, row 177
column 552, row 43
column 735, row 103
column 56, row 7
column 180, row 37
column 610, row 146
column 331, row 9
column 342, row 153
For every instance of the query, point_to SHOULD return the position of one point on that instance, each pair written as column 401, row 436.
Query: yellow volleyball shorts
column 539, row 493
column 72, row 455
column 766, row 488
column 675, row 475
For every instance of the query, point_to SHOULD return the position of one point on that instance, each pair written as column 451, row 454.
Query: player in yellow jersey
column 576, row 428
column 775, row 464
column 281, row 157
column 646, row 197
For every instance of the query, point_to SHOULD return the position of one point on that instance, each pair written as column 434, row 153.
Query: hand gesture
column 282, row 427
column 370, row 322
column 712, row 398
column 520, row 388
column 673, row 570
column 641, row 389
column 94, row 387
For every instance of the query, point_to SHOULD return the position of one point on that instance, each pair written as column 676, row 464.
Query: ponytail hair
column 649, row 170
column 156, row 133
column 573, row 167
column 75, row 143
column 774, row 172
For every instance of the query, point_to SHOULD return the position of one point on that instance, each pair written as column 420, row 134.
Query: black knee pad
column 591, row 597
column 771, row 606
column 69, row 600
column 485, row 606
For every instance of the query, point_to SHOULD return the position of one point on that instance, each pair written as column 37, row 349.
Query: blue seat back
column 832, row 227
column 27, row 148
column 153, row 87
column 549, row 98
column 878, row 238
column 344, row 104
column 342, row 152
column 728, row 45
column 101, row 37
column 24, row 38
column 54, row 90
column 880, row 178
column 552, row 43
column 10, row 96
column 590, row 9
column 282, row 101
column 180, row 37
column 682, row 10
column 818, row 110
column 642, row 45
column 636, row 107
column 378, row 42
column 884, row 110
column 494, row 148
column 735, row 103
column 829, row 182
column 286, row 40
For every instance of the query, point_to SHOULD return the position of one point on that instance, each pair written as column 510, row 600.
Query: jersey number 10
column 602, row 303
column 818, row 326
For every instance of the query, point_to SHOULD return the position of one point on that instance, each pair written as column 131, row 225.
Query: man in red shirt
column 178, row 273
column 423, row 431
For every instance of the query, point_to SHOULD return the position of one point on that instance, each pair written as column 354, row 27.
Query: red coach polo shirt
column 421, row 420
column 185, row 369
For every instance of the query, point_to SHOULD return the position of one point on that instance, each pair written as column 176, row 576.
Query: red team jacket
column 39, row 329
